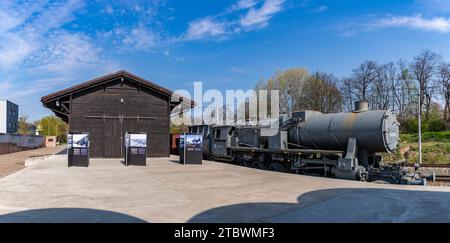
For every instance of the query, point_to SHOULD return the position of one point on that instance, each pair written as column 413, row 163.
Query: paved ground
column 164, row 191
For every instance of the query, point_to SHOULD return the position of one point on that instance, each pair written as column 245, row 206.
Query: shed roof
column 50, row 100
column 107, row 78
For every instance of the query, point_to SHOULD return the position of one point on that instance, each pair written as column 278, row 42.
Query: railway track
column 435, row 177
column 442, row 178
column 431, row 165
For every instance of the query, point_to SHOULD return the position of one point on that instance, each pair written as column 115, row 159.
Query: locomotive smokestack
column 361, row 106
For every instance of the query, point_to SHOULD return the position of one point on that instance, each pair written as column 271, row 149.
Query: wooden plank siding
column 107, row 134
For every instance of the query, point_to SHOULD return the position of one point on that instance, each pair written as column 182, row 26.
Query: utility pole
column 420, row 127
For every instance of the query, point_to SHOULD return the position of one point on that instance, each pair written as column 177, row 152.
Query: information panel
column 191, row 149
column 135, row 149
column 78, row 149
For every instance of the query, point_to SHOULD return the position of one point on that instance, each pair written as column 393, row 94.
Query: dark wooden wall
column 106, row 135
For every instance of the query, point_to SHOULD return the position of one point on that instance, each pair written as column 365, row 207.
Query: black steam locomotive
column 340, row 145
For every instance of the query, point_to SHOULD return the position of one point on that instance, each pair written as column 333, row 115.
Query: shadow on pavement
column 68, row 215
column 62, row 152
column 340, row 205
column 175, row 161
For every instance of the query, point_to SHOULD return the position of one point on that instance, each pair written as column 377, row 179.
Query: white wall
column 3, row 116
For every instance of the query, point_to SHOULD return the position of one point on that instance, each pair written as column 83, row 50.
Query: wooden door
column 113, row 138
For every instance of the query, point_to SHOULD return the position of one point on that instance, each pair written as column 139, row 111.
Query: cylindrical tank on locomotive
column 375, row 131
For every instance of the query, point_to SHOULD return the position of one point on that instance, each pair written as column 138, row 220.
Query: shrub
column 434, row 123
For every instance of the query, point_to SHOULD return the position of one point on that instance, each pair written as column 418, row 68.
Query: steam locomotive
column 339, row 145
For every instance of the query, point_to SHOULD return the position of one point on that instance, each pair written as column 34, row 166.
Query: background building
column 9, row 117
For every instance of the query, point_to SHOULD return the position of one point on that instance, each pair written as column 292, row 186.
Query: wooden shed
column 109, row 106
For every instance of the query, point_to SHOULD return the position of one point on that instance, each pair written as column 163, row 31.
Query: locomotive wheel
column 245, row 163
column 277, row 167
column 258, row 165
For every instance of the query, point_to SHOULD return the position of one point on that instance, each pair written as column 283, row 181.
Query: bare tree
column 363, row 77
column 423, row 68
column 347, row 92
column 407, row 89
column 444, row 82
column 394, row 84
column 381, row 88
column 24, row 126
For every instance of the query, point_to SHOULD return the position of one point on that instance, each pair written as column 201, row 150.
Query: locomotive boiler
column 374, row 131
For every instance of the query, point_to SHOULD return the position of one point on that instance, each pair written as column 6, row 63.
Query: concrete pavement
column 165, row 191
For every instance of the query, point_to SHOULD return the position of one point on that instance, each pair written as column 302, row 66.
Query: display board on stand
column 78, row 149
column 135, row 149
column 191, row 148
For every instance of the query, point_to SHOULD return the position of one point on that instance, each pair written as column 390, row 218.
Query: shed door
column 112, row 139
column 115, row 129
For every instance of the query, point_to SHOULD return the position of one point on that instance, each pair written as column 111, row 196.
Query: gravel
column 10, row 163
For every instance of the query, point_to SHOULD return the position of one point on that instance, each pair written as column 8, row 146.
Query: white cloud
column 257, row 14
column 18, row 91
column 237, row 70
column 14, row 15
column 13, row 49
column 109, row 9
column 205, row 27
column 140, row 38
column 321, row 9
column 56, row 15
column 244, row 4
column 259, row 17
column 65, row 52
column 437, row 24
column 28, row 28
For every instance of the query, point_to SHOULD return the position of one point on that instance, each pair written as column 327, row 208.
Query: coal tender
column 340, row 145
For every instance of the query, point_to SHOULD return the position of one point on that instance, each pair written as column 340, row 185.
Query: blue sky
column 49, row 45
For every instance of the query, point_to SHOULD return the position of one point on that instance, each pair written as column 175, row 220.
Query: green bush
column 434, row 123
column 427, row 137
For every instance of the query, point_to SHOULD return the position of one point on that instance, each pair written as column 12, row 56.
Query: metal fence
column 26, row 141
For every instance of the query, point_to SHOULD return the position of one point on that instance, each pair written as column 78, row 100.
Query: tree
column 178, row 129
column 290, row 84
column 347, row 92
column 407, row 89
column 24, row 126
column 381, row 87
column 301, row 91
column 444, row 81
column 53, row 126
column 320, row 93
column 423, row 68
column 363, row 77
